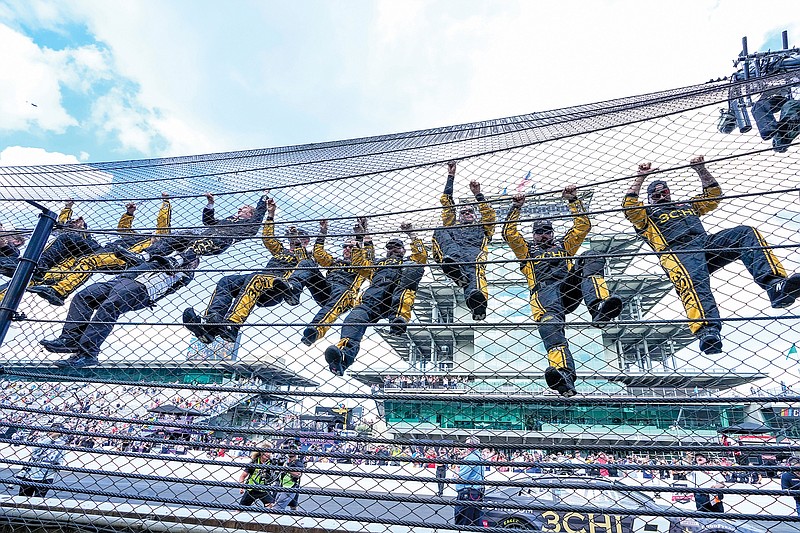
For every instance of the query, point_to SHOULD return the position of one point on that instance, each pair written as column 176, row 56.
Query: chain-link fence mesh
column 304, row 337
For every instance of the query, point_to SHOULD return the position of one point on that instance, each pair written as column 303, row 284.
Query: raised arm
column 66, row 212
column 261, row 208
column 511, row 234
column 448, row 211
column 208, row 211
column 364, row 257
column 634, row 208
column 488, row 214
column 268, row 236
column 321, row 256
column 419, row 254
column 709, row 200
column 125, row 224
column 580, row 223
column 164, row 218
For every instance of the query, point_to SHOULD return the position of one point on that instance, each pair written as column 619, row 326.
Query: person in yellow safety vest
column 260, row 477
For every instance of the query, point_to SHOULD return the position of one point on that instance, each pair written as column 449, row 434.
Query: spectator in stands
column 237, row 295
column 470, row 485
column 693, row 254
column 710, row 503
column 105, row 259
column 790, row 480
column 336, row 292
column 260, row 477
column 42, row 459
column 461, row 246
column 441, row 473
column 94, row 310
column 391, row 294
column 556, row 282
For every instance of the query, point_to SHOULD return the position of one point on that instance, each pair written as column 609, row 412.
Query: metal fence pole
column 24, row 272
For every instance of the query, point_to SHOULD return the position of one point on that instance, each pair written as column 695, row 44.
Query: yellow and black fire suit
column 337, row 290
column 104, row 259
column 59, row 255
column 216, row 238
column 557, row 282
column 462, row 250
column 692, row 254
column 391, row 294
column 237, row 295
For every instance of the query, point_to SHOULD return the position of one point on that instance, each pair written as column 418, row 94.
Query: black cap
column 542, row 224
column 395, row 242
column 653, row 185
column 296, row 232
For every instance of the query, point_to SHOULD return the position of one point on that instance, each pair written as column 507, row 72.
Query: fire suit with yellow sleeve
column 391, row 294
column 336, row 291
column 237, row 295
column 462, row 250
column 690, row 254
column 104, row 259
column 557, row 282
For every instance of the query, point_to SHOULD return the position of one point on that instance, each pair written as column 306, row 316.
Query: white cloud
column 29, row 85
column 22, row 155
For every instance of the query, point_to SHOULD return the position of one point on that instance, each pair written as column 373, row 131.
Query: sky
column 92, row 80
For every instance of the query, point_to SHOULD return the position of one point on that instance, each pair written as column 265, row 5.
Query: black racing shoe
column 398, row 326
column 477, row 303
column 290, row 296
column 710, row 341
column 59, row 345
column 7, row 271
column 784, row 292
column 228, row 333
column 310, row 335
column 334, row 358
column 78, row 360
column 561, row 380
column 48, row 293
column 607, row 310
column 193, row 323
column 130, row 258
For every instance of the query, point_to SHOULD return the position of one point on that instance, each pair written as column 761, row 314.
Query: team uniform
column 462, row 250
column 58, row 256
column 690, row 255
column 104, row 259
column 391, row 294
column 95, row 309
column 557, row 283
column 214, row 239
column 237, row 295
column 336, row 292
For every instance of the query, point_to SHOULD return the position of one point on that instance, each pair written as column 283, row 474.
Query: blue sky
column 99, row 81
